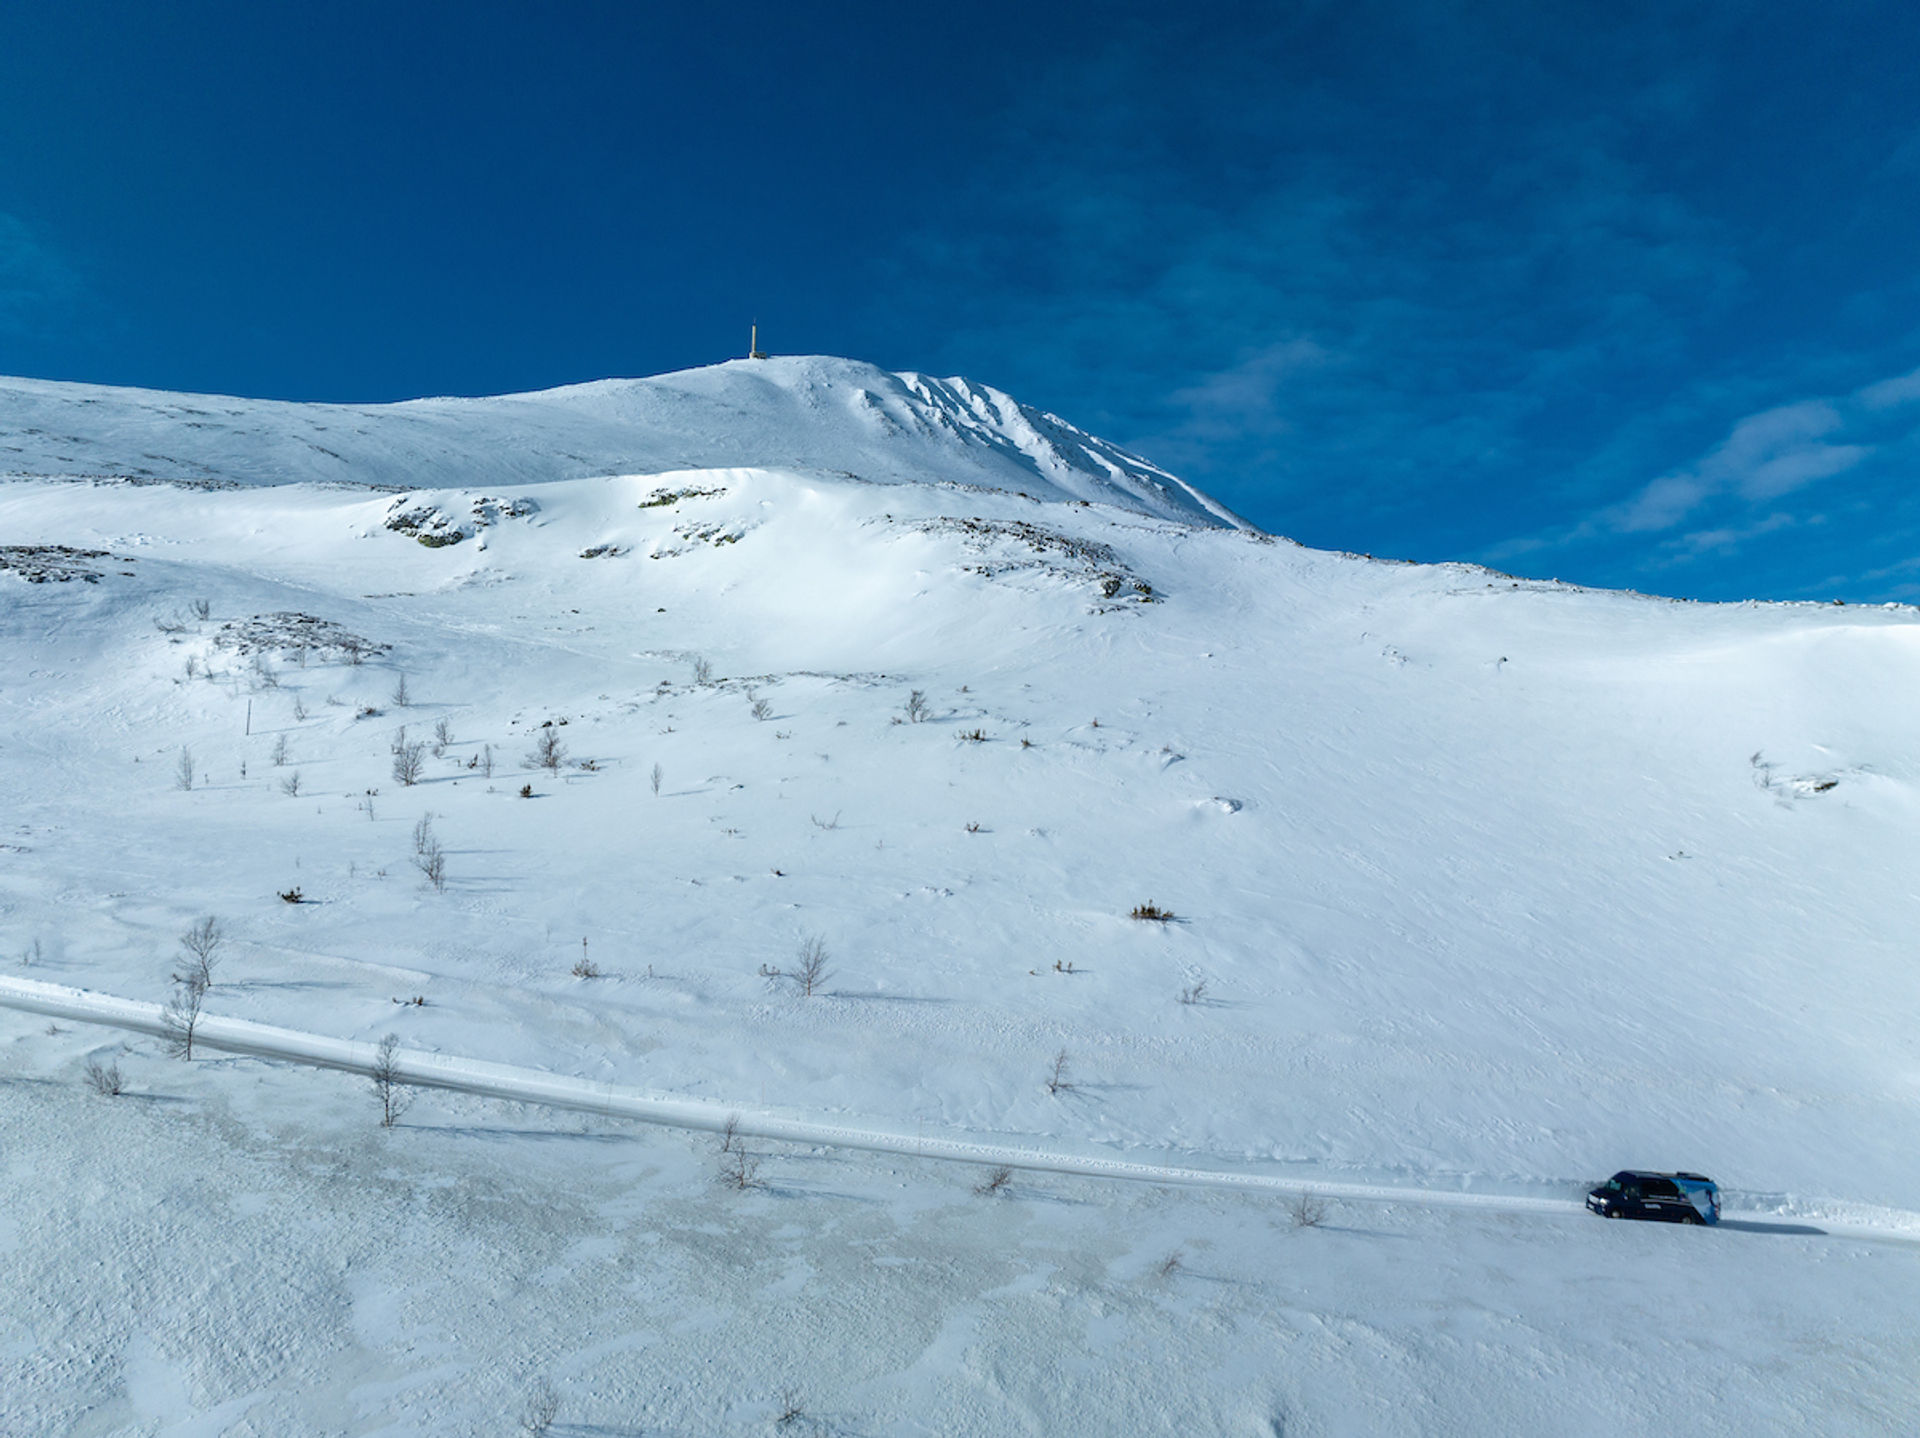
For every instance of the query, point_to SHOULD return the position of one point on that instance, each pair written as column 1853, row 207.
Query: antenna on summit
column 753, row 345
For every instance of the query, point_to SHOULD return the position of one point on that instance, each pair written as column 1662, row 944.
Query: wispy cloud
column 35, row 283
column 1811, row 474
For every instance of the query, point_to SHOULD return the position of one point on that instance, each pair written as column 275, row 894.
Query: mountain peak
column 806, row 412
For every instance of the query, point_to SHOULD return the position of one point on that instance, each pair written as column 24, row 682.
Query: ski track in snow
column 522, row 1085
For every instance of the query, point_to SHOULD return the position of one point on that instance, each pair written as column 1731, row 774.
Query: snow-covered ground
column 1479, row 886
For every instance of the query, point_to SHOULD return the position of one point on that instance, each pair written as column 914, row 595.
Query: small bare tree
column 183, row 771
column 1194, row 992
column 290, row 786
column 202, row 943
column 656, row 776
column 423, row 838
column 549, row 752
column 180, row 1019
column 1057, row 1080
column 408, row 760
column 486, row 761
column 442, row 736
column 730, row 1135
column 1308, row 1210
column 917, row 707
column 542, row 1407
column 300, row 707
column 762, row 709
column 401, row 698
column 202, row 609
column 279, row 755
column 811, row 969
column 104, row 1079
column 387, row 1083
column 702, row 669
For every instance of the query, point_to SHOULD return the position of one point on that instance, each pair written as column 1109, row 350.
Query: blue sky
column 1621, row 293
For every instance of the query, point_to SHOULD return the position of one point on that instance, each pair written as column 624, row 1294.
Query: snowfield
column 1477, row 889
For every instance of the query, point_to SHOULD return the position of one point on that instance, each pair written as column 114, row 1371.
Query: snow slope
column 1493, row 887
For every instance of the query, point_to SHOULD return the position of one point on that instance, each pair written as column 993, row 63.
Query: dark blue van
column 1661, row 1197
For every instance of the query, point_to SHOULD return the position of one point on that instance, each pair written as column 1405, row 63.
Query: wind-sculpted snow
column 807, row 413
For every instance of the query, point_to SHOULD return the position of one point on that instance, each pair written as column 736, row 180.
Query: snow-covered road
column 523, row 1085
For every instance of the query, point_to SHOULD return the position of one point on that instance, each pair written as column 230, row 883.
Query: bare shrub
column 526, row 791
column 1151, row 912
column 183, row 770
column 730, row 1135
column 180, row 1019
column 400, row 697
column 486, row 761
column 299, row 710
column 202, row 943
column 279, row 754
column 387, row 1083
column 1057, row 1080
column 656, row 776
column 428, row 857
column 549, row 752
column 739, row 1170
column 292, row 896
column 787, row 1409
column 1194, row 992
column 542, row 1407
column 827, row 824
column 408, row 760
column 974, row 736
column 995, row 1183
column 917, row 707
column 1308, row 1210
column 702, row 669
column 585, row 968
column 290, row 786
column 202, row 609
column 762, row 710
column 1172, row 1264
column 442, row 736
column 104, row 1079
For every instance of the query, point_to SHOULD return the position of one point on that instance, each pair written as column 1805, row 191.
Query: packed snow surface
column 1467, row 887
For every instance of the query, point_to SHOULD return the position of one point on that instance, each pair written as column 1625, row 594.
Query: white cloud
column 1891, row 393
column 1764, row 456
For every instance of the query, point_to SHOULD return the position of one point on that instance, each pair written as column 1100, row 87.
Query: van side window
column 1659, row 1188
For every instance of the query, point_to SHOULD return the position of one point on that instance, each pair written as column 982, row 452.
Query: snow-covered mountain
column 1471, row 890
column 806, row 412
